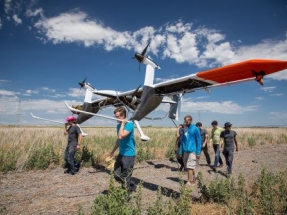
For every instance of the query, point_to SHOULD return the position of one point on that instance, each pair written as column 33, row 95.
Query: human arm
column 205, row 139
column 122, row 132
column 80, row 137
column 236, row 145
column 115, row 147
column 66, row 128
column 177, row 134
column 198, row 142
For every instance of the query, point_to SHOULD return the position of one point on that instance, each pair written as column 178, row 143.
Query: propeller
column 82, row 84
column 141, row 56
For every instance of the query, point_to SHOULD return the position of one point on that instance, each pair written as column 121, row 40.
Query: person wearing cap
column 214, row 139
column 204, row 138
column 190, row 147
column 227, row 141
column 74, row 142
column 123, row 167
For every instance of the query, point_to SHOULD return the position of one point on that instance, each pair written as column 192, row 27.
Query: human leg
column 190, row 165
column 206, row 154
column 71, row 158
column 228, row 154
column 123, row 171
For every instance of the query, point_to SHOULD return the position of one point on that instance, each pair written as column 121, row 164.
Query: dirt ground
column 53, row 192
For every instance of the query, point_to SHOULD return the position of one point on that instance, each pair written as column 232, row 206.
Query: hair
column 188, row 116
column 214, row 122
column 198, row 124
column 121, row 110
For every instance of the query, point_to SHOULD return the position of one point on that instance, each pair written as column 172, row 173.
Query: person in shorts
column 190, row 147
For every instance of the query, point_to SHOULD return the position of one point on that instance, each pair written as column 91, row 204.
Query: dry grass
column 20, row 142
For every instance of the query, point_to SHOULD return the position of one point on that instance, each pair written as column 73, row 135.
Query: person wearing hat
column 214, row 139
column 227, row 141
column 74, row 142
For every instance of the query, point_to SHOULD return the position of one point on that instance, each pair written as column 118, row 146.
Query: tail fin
column 175, row 107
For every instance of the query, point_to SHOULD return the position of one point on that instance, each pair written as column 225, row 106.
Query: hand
column 78, row 147
column 124, row 121
column 236, row 149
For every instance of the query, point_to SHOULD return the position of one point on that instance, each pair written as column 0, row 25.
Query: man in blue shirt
column 190, row 147
column 124, row 164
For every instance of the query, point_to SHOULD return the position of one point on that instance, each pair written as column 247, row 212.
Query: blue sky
column 47, row 47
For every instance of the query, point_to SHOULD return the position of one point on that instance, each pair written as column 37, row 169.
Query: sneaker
column 67, row 171
column 219, row 166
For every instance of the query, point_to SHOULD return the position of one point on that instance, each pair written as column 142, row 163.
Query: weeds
column 268, row 195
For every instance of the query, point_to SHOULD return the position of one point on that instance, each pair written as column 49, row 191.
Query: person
column 74, row 142
column 204, row 138
column 177, row 145
column 190, row 147
column 228, row 139
column 125, row 160
column 214, row 139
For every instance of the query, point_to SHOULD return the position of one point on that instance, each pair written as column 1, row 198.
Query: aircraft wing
column 239, row 72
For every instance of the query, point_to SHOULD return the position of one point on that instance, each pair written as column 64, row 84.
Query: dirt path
column 52, row 192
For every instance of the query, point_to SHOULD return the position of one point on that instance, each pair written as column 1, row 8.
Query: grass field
column 41, row 147
column 32, row 148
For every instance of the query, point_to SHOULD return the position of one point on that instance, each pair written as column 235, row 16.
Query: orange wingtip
column 242, row 70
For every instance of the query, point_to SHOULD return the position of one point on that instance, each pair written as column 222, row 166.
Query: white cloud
column 277, row 94
column 36, row 12
column 279, row 75
column 7, row 93
column 268, row 89
column 259, row 98
column 179, row 41
column 16, row 19
column 7, row 6
column 225, row 107
column 278, row 115
column 48, row 89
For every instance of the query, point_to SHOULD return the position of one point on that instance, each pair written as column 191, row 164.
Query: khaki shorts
column 189, row 160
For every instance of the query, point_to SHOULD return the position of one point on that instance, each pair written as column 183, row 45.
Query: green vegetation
column 30, row 148
column 267, row 195
column 39, row 148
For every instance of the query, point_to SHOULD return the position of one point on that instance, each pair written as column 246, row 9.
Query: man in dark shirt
column 204, row 137
column 228, row 138
column 74, row 141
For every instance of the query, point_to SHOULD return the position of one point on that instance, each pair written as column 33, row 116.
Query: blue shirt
column 190, row 140
column 127, row 145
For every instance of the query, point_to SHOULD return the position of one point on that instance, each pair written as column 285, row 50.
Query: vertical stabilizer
column 175, row 107
column 88, row 96
column 149, row 75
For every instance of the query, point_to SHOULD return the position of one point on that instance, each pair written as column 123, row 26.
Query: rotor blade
column 142, row 135
column 90, row 113
column 134, row 93
column 36, row 117
column 145, row 49
column 82, row 84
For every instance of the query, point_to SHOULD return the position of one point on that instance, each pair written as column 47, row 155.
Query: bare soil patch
column 53, row 192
